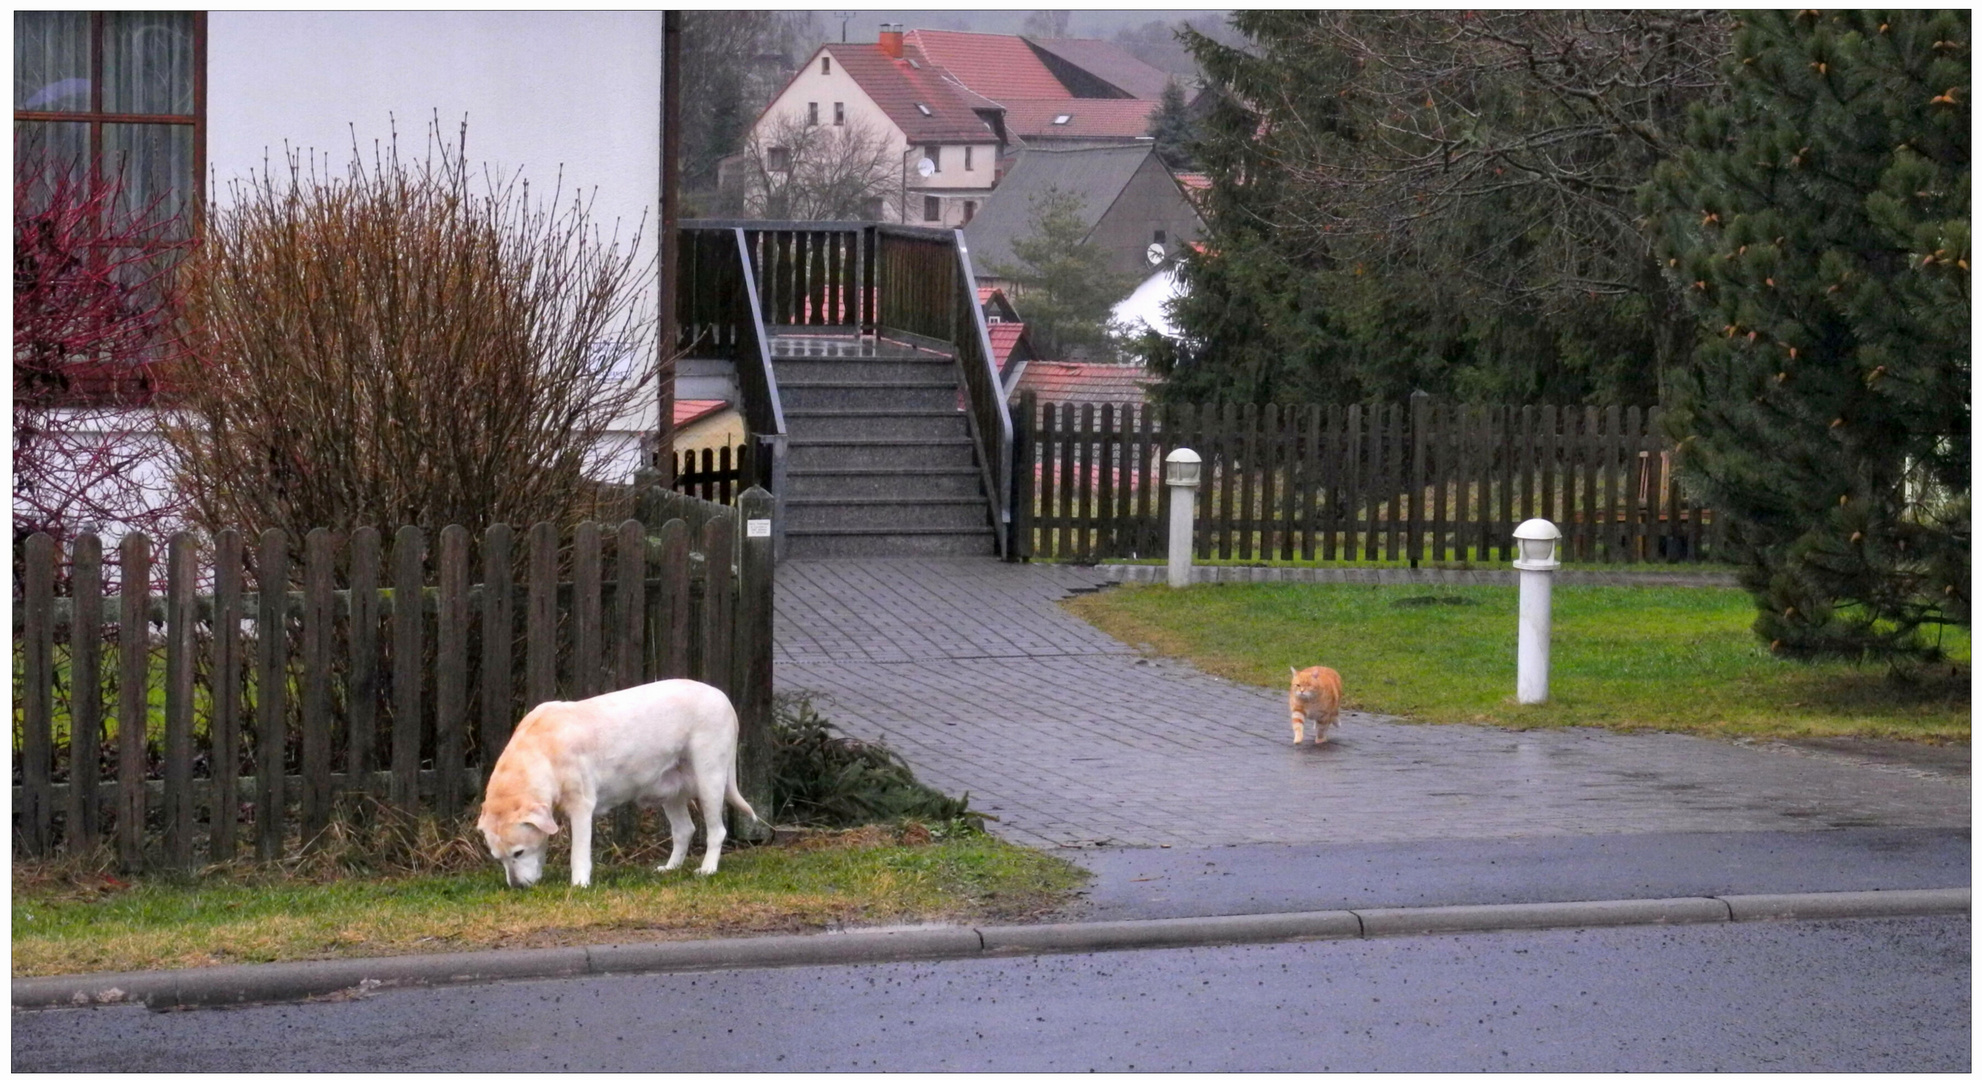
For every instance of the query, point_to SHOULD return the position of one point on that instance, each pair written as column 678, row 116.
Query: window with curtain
column 117, row 94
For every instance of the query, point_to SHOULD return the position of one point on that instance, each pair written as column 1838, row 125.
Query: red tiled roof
column 1193, row 181
column 898, row 86
column 998, row 66
column 1087, row 117
column 1085, row 384
column 687, row 412
column 1004, row 335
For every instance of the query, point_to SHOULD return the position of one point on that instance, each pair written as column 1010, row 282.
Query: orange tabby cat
column 1316, row 696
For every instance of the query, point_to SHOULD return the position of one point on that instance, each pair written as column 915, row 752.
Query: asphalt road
column 1250, row 879
column 1851, row 995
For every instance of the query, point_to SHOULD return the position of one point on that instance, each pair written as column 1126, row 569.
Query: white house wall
column 954, row 181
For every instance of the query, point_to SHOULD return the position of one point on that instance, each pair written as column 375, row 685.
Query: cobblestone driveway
column 972, row 672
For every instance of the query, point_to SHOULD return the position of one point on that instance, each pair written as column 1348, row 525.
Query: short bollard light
column 1182, row 470
column 1536, row 539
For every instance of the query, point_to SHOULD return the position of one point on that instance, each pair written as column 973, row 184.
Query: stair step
column 961, row 481
column 886, row 515
column 877, row 423
column 894, row 544
column 889, row 395
column 865, row 369
column 828, row 452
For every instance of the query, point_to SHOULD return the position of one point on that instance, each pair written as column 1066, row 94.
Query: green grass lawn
column 1626, row 658
column 81, row 919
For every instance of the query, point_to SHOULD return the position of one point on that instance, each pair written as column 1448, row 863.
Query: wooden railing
column 398, row 671
column 815, row 275
column 1438, row 482
column 720, row 316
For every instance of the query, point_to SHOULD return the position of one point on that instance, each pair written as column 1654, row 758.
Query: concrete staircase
column 879, row 455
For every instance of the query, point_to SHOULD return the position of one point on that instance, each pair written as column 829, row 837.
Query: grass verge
column 73, row 917
column 1625, row 658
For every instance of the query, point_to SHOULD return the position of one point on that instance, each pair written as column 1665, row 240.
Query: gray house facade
column 1130, row 202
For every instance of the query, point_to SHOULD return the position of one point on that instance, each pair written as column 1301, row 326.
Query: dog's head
column 517, row 835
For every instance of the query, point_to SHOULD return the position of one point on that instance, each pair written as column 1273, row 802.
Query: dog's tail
column 734, row 795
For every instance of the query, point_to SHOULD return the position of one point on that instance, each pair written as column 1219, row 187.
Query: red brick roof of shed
column 1086, row 384
column 687, row 412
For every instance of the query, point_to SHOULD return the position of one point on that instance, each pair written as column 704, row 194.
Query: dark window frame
column 95, row 117
column 932, row 208
column 839, row 114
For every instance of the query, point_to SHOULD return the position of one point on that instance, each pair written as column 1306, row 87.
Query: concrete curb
column 256, row 983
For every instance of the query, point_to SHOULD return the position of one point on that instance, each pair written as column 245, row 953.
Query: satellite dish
column 925, row 167
column 1155, row 254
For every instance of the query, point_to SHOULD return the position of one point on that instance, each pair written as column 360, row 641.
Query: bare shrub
column 387, row 348
column 94, row 303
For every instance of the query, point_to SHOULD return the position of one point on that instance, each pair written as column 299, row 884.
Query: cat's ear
column 1292, row 670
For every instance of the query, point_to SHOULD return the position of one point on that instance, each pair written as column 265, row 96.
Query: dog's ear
column 542, row 819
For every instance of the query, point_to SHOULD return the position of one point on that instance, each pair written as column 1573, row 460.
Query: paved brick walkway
column 972, row 672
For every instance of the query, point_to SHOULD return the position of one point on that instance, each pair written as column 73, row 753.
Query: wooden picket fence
column 179, row 729
column 1432, row 482
column 717, row 474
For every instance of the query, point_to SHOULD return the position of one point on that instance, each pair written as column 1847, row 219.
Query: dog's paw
column 704, row 871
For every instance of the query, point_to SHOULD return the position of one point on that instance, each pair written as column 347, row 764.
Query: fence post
column 408, row 581
column 751, row 658
column 318, row 617
column 179, row 611
column 1419, row 402
column 271, row 690
column 225, row 728
column 37, row 697
column 451, row 669
column 86, row 707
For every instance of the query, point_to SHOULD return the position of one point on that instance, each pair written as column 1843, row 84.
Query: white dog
column 661, row 743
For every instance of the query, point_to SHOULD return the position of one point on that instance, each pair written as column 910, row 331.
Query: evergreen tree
column 1170, row 126
column 1401, row 201
column 1820, row 218
column 1064, row 288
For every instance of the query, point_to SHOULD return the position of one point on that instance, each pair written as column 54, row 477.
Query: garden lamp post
column 1536, row 538
column 1182, row 470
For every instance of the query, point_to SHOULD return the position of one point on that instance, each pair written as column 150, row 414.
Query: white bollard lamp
column 1537, row 539
column 1183, row 470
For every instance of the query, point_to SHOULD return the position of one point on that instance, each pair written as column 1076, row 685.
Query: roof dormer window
column 923, row 109
column 1063, row 118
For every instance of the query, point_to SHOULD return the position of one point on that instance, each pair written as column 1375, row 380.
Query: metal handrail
column 992, row 411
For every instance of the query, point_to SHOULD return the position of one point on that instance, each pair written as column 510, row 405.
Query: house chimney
column 891, row 40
